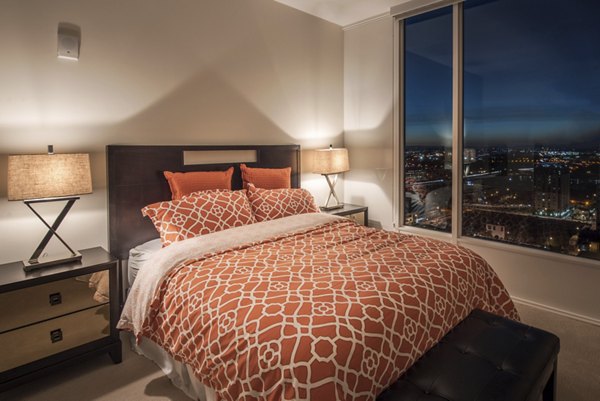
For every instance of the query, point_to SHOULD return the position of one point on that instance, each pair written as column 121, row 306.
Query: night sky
column 532, row 74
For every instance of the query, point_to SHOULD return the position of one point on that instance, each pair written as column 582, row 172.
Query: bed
column 306, row 307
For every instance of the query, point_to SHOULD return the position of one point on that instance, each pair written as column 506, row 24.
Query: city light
column 548, row 199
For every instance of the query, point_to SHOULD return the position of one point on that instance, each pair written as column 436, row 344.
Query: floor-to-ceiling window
column 428, row 120
column 531, row 121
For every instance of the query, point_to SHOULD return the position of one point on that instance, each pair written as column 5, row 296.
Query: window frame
column 400, row 13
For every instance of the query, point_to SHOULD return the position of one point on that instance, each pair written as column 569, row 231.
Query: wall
column 566, row 284
column 368, row 102
column 158, row 72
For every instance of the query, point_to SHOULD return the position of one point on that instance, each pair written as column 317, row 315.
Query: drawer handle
column 56, row 335
column 55, row 299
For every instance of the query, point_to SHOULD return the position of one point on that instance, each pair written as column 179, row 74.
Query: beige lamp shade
column 48, row 176
column 331, row 161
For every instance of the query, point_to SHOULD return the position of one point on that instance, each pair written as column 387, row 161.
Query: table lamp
column 331, row 162
column 49, row 177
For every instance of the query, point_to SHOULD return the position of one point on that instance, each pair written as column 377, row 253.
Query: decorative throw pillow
column 198, row 214
column 183, row 184
column 267, row 178
column 269, row 204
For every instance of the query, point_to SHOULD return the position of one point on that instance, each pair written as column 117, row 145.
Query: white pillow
column 139, row 255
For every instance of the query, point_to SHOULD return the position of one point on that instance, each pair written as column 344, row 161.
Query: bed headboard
column 135, row 179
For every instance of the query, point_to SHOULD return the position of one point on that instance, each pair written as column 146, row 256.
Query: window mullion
column 457, row 120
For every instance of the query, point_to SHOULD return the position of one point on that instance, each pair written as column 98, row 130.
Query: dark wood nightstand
column 49, row 317
column 359, row 214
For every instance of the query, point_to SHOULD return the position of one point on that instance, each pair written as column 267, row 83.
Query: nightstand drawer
column 19, row 347
column 357, row 217
column 33, row 304
column 356, row 213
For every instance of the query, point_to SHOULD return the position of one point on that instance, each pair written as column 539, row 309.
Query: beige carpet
column 579, row 357
column 136, row 378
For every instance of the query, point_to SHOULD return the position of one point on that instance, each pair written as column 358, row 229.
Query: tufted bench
column 484, row 358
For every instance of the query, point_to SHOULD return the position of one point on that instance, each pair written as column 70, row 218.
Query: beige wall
column 368, row 91
column 560, row 282
column 159, row 72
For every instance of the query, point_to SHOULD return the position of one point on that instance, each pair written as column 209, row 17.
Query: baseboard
column 581, row 318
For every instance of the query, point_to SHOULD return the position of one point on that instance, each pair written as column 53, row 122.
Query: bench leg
column 549, row 393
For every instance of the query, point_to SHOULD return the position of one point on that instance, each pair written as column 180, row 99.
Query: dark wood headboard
column 135, row 179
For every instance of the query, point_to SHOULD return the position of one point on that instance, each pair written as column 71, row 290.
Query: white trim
column 561, row 312
column 424, row 232
column 415, row 7
column 398, row 127
column 536, row 253
column 365, row 21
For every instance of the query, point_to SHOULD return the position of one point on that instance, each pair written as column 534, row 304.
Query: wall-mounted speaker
column 69, row 41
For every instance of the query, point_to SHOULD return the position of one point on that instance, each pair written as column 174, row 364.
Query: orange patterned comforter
column 335, row 312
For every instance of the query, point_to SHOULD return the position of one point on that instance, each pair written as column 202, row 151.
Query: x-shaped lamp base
column 36, row 261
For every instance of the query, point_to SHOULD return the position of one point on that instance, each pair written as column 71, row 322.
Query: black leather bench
column 484, row 358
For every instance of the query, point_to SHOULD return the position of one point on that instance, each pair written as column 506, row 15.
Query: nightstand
column 49, row 317
column 359, row 214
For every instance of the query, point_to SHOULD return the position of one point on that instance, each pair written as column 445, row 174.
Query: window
column 531, row 121
column 428, row 120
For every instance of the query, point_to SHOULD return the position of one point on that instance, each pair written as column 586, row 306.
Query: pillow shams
column 270, row 204
column 267, row 178
column 198, row 214
column 183, row 184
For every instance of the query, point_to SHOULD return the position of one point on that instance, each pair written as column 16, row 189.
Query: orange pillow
column 270, row 204
column 183, row 184
column 267, row 178
column 198, row 214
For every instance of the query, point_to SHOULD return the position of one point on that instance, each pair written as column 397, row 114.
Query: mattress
column 306, row 307
column 139, row 255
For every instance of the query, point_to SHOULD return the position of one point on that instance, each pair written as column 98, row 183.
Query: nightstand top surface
column 347, row 209
column 12, row 275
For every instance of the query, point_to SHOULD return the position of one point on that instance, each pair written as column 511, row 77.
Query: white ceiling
column 343, row 12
